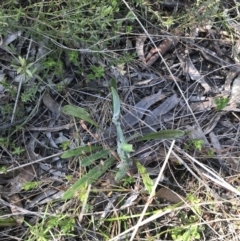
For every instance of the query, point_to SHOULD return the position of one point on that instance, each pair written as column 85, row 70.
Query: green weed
column 189, row 229
column 97, row 72
column 195, row 143
column 24, row 68
column 44, row 230
column 30, row 185
column 221, row 102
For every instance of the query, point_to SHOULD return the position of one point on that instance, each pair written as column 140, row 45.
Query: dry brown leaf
column 140, row 47
column 169, row 195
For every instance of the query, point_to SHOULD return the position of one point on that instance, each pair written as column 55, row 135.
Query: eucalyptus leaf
column 89, row 178
column 79, row 151
column 79, row 113
column 164, row 134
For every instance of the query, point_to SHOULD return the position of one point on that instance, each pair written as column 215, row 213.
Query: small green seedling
column 221, row 102
column 23, row 67
column 128, row 181
column 18, row 150
column 210, row 153
column 30, row 185
column 189, row 230
column 3, row 169
column 195, row 143
column 97, row 72
column 65, row 145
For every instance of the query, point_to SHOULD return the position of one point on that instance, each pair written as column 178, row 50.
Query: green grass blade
column 165, row 134
column 79, row 113
column 79, row 151
column 89, row 178
column 91, row 159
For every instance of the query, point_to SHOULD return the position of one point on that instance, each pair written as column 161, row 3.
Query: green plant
column 186, row 233
column 78, row 112
column 128, row 180
column 3, row 169
column 147, row 181
column 221, row 102
column 29, row 93
column 123, row 148
column 18, row 150
column 60, row 226
column 97, row 72
column 53, row 63
column 65, row 145
column 85, row 38
column 23, row 68
column 210, row 153
column 7, row 109
column 195, row 143
column 94, row 173
column 30, row 185
column 189, row 229
column 9, row 88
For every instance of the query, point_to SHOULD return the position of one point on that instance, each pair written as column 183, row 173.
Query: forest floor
column 119, row 120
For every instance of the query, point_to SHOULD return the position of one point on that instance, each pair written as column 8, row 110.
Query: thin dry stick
column 152, row 192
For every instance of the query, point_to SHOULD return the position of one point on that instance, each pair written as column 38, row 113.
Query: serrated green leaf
column 165, row 134
column 91, row 159
column 147, row 181
column 89, row 178
column 79, row 113
column 79, row 151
